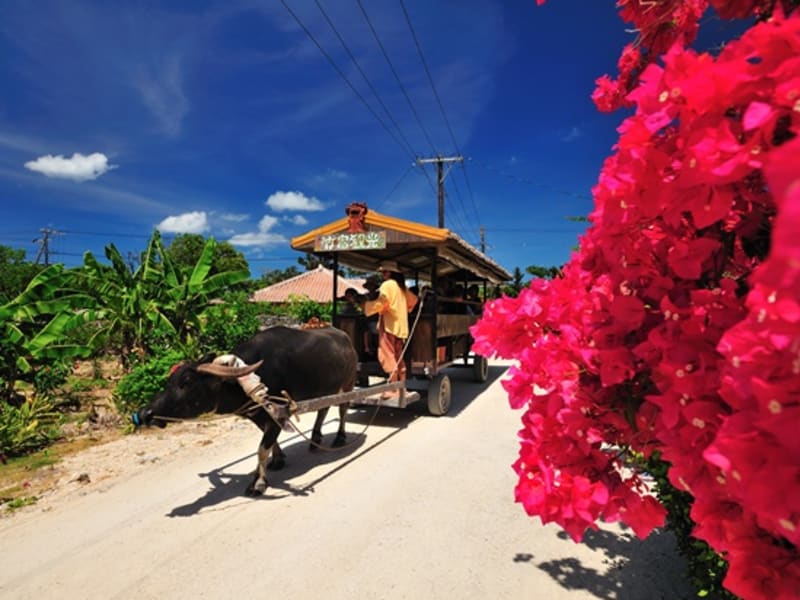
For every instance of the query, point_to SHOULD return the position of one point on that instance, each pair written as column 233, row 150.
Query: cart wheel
column 439, row 395
column 480, row 368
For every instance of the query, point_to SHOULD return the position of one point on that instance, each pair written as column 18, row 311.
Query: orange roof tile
column 316, row 285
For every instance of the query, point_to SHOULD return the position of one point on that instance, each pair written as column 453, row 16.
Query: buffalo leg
column 259, row 483
column 278, row 458
column 316, row 434
column 341, row 438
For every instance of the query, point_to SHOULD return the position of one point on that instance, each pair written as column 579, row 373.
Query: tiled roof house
column 316, row 285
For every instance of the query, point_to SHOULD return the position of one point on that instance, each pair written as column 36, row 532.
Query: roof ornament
column 356, row 213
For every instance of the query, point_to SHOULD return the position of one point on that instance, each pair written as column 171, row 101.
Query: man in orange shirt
column 393, row 304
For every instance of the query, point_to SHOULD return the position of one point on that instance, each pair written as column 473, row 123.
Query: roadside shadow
column 632, row 568
column 226, row 486
column 380, row 416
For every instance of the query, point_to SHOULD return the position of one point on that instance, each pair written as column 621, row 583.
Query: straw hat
column 389, row 265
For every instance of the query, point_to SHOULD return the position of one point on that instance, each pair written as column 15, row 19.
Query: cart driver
column 393, row 304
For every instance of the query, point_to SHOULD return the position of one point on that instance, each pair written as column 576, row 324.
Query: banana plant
column 34, row 327
column 186, row 294
column 157, row 298
column 125, row 311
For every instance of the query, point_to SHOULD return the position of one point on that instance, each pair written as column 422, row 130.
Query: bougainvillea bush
column 675, row 328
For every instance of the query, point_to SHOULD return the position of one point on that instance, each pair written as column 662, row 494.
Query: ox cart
column 287, row 361
column 442, row 266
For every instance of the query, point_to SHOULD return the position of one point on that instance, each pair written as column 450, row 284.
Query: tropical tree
column 517, row 283
column 15, row 272
column 185, row 295
column 185, row 250
column 543, row 272
column 274, row 276
column 312, row 261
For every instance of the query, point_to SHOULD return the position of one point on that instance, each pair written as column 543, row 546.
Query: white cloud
column 330, row 176
column 234, row 218
column 262, row 237
column 161, row 89
column 297, row 220
column 281, row 201
column 336, row 174
column 267, row 222
column 192, row 222
column 77, row 168
column 257, row 239
column 572, row 135
column 21, row 143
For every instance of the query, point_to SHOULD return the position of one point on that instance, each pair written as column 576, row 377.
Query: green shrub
column 706, row 568
column 34, row 425
column 145, row 380
column 48, row 378
column 303, row 309
column 228, row 324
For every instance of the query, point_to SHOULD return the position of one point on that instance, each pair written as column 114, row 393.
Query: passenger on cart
column 366, row 327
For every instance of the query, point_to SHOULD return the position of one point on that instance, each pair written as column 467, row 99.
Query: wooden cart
column 440, row 324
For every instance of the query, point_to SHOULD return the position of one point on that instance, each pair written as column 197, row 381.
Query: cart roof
column 409, row 243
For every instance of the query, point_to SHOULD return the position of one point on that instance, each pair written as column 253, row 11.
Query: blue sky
column 226, row 119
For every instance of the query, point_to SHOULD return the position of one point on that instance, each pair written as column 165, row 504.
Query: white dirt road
column 419, row 507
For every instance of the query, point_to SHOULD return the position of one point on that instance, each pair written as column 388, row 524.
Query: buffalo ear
column 207, row 358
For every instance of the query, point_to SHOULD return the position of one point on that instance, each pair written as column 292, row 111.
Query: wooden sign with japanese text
column 366, row 240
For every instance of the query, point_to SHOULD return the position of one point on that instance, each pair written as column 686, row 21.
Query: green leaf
column 203, row 266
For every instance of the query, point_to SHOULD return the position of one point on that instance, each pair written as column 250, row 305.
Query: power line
column 458, row 195
column 394, row 187
column 108, row 234
column 439, row 102
column 270, row 259
column 352, row 87
column 364, row 76
column 527, row 181
column 396, row 76
column 457, row 224
column 541, row 230
column 343, row 76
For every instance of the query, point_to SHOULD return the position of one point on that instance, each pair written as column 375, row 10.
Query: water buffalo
column 305, row 363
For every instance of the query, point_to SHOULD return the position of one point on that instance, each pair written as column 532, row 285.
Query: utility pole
column 440, row 177
column 44, row 248
column 483, row 239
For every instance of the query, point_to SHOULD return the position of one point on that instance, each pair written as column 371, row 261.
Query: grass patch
column 13, row 504
column 81, row 385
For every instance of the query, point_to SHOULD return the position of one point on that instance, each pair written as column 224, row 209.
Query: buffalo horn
column 228, row 372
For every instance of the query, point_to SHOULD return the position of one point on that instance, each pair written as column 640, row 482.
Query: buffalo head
column 193, row 389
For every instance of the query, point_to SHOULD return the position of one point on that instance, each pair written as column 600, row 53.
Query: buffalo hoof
column 341, row 440
column 277, row 463
column 316, row 443
column 255, row 489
